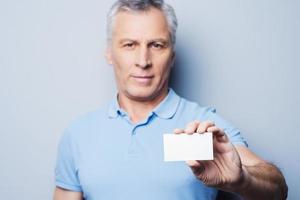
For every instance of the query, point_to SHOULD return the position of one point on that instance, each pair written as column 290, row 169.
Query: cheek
column 165, row 68
column 122, row 64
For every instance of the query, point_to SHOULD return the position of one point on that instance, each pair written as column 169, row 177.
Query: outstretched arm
column 236, row 168
column 262, row 180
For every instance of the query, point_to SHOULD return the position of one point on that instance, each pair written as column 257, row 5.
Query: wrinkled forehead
column 150, row 23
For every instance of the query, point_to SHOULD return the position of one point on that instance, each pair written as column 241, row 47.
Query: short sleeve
column 66, row 171
column 232, row 132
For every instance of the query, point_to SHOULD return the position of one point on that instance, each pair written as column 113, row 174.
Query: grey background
column 242, row 57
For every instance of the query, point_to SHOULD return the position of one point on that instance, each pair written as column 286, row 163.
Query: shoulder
column 86, row 123
column 198, row 112
column 189, row 111
column 194, row 109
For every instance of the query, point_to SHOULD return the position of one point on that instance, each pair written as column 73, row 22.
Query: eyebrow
column 162, row 40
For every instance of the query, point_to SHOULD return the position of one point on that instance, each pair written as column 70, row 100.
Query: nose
column 143, row 59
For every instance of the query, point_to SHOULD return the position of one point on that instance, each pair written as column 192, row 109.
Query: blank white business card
column 183, row 147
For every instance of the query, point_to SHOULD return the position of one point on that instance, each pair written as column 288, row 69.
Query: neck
column 138, row 110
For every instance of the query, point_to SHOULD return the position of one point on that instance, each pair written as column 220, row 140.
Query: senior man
column 117, row 153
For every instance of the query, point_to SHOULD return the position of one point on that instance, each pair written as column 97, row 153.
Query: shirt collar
column 166, row 109
column 114, row 109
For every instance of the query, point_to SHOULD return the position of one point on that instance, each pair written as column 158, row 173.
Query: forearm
column 262, row 181
column 62, row 194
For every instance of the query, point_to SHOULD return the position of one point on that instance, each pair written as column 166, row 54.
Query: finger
column 178, row 131
column 192, row 127
column 202, row 128
column 192, row 163
column 215, row 130
column 218, row 133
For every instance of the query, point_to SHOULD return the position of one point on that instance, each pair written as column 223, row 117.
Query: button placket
column 135, row 148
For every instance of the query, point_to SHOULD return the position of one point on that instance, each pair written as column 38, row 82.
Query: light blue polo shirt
column 105, row 156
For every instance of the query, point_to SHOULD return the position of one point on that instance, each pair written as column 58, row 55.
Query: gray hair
column 142, row 5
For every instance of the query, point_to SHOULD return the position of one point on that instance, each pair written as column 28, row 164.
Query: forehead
column 140, row 25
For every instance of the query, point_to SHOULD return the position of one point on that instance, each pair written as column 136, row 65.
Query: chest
column 128, row 164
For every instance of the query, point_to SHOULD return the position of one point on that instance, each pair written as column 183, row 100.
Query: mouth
column 142, row 79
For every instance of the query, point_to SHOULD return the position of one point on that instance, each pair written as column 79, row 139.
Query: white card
column 182, row 147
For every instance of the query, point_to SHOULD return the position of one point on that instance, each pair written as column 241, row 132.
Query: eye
column 129, row 45
column 157, row 45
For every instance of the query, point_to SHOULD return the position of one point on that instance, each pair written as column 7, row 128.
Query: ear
column 108, row 55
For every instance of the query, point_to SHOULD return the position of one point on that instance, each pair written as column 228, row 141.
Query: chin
column 142, row 93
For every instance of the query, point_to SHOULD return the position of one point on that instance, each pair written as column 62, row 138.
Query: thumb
column 196, row 166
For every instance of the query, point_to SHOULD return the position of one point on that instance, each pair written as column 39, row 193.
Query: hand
column 225, row 171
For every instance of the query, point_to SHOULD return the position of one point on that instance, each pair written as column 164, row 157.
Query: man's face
column 141, row 53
